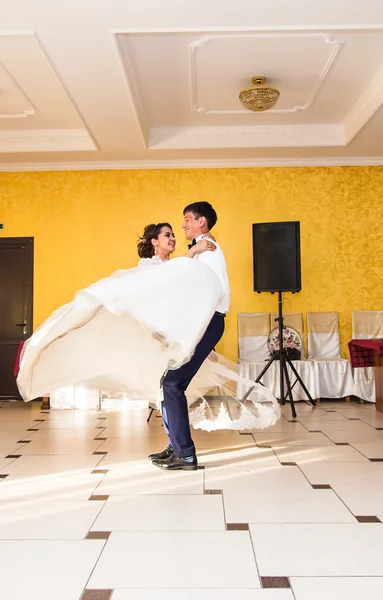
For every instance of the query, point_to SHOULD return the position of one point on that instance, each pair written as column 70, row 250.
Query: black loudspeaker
column 277, row 257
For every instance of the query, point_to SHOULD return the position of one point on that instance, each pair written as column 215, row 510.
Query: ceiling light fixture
column 260, row 97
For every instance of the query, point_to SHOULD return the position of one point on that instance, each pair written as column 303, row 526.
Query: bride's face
column 166, row 242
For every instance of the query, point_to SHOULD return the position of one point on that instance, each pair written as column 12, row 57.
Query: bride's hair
column 145, row 247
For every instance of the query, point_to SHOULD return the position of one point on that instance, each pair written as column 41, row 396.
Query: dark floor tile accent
column 100, row 498
column 367, row 519
column 237, row 526
column 213, row 492
column 40, row 420
column 341, row 443
column 353, row 419
column 100, row 427
column 101, row 418
column 32, row 429
column 13, row 456
column 97, row 595
column 100, row 439
column 244, row 433
column 321, row 486
column 3, row 475
column 379, row 428
column 24, row 442
column 333, row 411
column 99, row 471
column 98, row 535
column 315, row 431
column 200, row 467
column 44, row 412
column 102, row 453
column 275, row 582
column 263, row 446
column 375, row 459
column 288, row 464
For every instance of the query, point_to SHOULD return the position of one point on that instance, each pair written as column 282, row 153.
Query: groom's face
column 191, row 226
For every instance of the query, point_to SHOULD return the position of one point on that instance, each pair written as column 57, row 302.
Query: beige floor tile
column 161, row 513
column 351, row 436
column 45, row 464
column 244, row 459
column 47, row 520
column 141, row 477
column 310, row 454
column 347, row 425
column 46, row 569
column 60, row 446
column 369, row 449
column 75, row 485
column 361, row 473
column 314, row 550
column 221, row 559
column 279, row 495
column 337, row 588
column 207, row 594
column 264, row 438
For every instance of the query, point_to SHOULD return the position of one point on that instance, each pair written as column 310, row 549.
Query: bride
column 122, row 333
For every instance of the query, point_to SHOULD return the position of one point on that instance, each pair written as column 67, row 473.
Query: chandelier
column 260, row 97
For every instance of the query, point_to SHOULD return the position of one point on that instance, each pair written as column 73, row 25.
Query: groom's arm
column 216, row 262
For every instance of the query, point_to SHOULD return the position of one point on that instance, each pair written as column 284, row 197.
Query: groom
column 199, row 219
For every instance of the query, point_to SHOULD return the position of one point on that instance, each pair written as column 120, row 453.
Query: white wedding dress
column 121, row 334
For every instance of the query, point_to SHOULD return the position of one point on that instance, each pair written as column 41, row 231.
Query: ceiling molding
column 206, row 39
column 49, row 140
column 364, row 108
column 262, row 136
column 219, row 163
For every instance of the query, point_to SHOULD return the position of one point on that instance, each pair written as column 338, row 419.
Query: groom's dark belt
column 220, row 314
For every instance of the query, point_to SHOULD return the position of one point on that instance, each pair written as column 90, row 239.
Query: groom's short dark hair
column 203, row 209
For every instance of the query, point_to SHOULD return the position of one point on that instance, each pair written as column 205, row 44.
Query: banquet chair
column 333, row 374
column 366, row 324
column 253, row 352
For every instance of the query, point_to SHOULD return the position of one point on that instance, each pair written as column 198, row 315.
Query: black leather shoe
column 174, row 463
column 167, row 453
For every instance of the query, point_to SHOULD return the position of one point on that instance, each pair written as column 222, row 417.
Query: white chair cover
column 253, row 331
column 366, row 324
column 332, row 373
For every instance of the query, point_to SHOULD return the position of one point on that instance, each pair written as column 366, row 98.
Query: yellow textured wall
column 85, row 226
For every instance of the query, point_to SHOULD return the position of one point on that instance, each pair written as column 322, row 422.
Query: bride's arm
column 203, row 245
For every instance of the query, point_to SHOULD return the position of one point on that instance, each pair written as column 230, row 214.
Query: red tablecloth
column 362, row 352
column 17, row 363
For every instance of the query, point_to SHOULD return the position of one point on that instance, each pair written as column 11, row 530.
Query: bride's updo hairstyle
column 145, row 247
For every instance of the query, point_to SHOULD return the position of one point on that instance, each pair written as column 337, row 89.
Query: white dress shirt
column 215, row 260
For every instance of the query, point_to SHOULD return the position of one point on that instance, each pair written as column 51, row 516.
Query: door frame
column 29, row 243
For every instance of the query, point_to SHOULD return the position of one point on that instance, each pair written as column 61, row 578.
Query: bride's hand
column 203, row 246
column 208, row 236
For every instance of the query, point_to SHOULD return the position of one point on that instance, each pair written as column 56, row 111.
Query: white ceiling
column 149, row 83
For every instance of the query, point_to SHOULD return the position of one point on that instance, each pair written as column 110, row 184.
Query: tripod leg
column 245, row 397
column 270, row 362
column 281, row 379
column 289, row 389
column 151, row 412
column 313, row 402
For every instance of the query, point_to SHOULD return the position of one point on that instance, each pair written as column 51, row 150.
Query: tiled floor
column 291, row 513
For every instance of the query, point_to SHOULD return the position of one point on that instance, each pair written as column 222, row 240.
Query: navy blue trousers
column 175, row 412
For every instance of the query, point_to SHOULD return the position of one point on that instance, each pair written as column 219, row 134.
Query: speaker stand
column 284, row 360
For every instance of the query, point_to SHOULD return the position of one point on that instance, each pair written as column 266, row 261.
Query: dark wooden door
column 16, row 306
